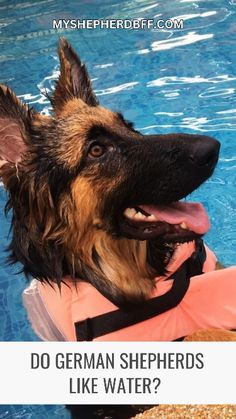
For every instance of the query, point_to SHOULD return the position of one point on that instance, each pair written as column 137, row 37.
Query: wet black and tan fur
column 69, row 178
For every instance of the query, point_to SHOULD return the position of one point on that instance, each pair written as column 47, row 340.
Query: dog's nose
column 204, row 151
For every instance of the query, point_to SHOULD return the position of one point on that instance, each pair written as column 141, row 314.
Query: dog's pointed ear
column 15, row 120
column 74, row 81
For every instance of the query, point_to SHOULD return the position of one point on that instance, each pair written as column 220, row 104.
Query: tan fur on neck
column 121, row 261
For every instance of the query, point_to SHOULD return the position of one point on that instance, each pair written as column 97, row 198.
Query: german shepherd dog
column 82, row 185
column 85, row 189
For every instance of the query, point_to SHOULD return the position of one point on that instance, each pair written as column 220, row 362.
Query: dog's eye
column 96, row 150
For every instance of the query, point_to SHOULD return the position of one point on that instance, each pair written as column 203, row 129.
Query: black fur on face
column 156, row 170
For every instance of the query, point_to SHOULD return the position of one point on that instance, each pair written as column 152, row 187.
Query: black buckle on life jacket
column 113, row 321
column 84, row 330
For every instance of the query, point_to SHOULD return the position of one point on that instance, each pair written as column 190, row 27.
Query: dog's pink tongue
column 191, row 213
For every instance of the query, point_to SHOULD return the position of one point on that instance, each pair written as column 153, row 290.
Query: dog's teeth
column 184, row 226
column 151, row 218
column 140, row 216
column 130, row 212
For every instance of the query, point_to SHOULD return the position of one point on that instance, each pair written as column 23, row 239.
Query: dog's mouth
column 176, row 222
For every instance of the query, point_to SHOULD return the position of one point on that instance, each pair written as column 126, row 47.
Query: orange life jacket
column 182, row 303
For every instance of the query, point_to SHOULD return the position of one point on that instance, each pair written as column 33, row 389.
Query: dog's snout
column 204, row 151
column 183, row 161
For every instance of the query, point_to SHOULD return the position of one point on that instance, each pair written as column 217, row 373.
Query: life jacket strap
column 112, row 321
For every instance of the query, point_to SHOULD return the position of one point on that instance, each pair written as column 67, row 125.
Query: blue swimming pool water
column 163, row 80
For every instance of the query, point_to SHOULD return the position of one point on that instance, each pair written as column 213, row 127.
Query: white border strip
column 172, row 372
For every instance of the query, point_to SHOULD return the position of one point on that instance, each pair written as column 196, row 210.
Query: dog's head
column 91, row 196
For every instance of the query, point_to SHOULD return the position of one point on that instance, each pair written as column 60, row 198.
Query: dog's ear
column 15, row 121
column 74, row 81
